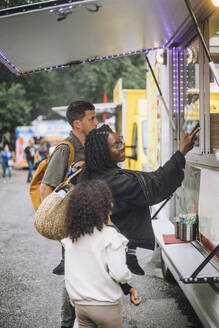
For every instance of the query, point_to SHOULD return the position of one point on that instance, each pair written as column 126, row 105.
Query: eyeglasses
column 120, row 144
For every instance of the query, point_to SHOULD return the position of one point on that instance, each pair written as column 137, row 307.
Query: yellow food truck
column 131, row 123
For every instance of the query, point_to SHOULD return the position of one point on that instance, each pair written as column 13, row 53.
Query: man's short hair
column 76, row 110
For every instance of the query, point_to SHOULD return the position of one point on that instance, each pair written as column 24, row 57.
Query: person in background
column 6, row 156
column 29, row 154
column 82, row 118
column 133, row 191
column 43, row 150
column 95, row 257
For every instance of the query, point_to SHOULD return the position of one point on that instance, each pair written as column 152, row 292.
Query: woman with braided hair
column 133, row 191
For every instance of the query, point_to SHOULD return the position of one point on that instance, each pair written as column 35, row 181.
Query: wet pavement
column 30, row 295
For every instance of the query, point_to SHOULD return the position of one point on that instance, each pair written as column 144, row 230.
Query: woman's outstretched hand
column 187, row 141
column 134, row 298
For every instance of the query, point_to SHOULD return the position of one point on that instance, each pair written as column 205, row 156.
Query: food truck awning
column 56, row 34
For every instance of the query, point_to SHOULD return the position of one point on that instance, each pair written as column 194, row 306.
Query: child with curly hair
column 95, row 258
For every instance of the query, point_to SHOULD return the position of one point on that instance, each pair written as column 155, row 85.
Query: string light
column 175, row 80
column 61, row 6
column 182, row 79
column 73, row 63
column 9, row 63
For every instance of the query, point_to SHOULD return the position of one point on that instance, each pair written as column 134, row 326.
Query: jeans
column 30, row 171
column 4, row 168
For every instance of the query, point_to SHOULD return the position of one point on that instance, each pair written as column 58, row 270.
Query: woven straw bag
column 49, row 219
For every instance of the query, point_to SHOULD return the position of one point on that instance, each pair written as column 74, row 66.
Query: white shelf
column 184, row 257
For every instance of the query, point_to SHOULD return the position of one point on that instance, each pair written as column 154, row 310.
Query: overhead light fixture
column 161, row 56
column 192, row 55
column 215, row 2
column 63, row 11
column 95, row 8
column 189, row 55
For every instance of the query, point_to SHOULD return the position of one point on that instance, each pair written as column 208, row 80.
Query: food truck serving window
column 198, row 92
column 214, row 91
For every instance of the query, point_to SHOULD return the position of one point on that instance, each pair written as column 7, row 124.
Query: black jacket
column 30, row 151
column 131, row 205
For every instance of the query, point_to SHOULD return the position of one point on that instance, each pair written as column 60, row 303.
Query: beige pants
column 99, row 316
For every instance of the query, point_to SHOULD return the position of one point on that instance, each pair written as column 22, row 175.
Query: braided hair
column 97, row 152
column 89, row 205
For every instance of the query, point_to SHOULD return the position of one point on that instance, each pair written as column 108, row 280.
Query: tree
column 90, row 81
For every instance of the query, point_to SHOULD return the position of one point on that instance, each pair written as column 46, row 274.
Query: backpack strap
column 72, row 152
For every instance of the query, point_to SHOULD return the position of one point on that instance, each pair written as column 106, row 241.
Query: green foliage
column 14, row 108
column 90, row 81
column 44, row 90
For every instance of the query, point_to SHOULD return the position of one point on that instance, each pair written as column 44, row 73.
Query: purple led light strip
column 89, row 60
column 182, row 80
column 61, row 9
column 175, row 81
column 8, row 62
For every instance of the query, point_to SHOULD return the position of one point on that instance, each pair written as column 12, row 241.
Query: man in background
column 29, row 153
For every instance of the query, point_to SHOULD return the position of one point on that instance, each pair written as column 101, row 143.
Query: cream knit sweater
column 94, row 265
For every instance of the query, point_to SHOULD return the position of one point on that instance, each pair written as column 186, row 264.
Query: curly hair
column 89, row 205
column 97, row 153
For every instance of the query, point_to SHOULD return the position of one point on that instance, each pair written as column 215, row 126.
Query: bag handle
column 74, row 175
column 64, row 183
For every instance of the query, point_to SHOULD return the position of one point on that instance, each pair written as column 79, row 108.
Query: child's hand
column 134, row 298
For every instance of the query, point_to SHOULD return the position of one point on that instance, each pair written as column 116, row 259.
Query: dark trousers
column 30, row 171
column 67, row 312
